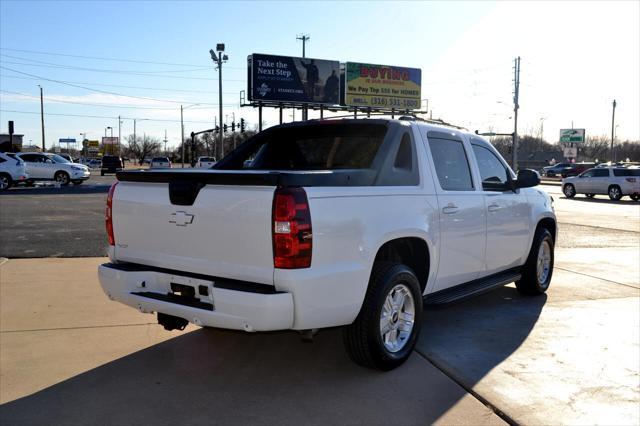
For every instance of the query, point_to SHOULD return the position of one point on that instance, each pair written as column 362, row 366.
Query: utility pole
column 516, row 106
column 613, row 121
column 134, row 132
column 182, row 135
column 42, row 117
column 165, row 141
column 304, row 38
column 218, row 60
column 119, row 134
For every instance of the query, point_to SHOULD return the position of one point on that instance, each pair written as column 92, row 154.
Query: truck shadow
column 625, row 201
column 222, row 377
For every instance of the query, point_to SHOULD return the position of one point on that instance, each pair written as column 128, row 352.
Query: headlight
column 81, row 169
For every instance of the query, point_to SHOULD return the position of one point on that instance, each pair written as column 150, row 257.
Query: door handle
column 450, row 209
column 493, row 207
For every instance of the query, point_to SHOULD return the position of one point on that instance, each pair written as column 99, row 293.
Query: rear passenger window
column 626, row 172
column 452, row 166
column 601, row 173
column 403, row 157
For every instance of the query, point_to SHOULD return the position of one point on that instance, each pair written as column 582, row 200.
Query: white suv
column 46, row 166
column 614, row 182
column 12, row 171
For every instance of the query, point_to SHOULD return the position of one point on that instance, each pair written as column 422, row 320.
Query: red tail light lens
column 108, row 215
column 292, row 236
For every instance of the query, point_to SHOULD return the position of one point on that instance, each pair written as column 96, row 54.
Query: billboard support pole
column 368, row 112
column 393, row 113
column 321, row 111
column 259, row 116
column 355, row 113
column 280, row 108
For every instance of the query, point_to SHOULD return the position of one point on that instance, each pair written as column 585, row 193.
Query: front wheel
column 614, row 192
column 62, row 178
column 387, row 327
column 569, row 190
column 5, row 182
column 537, row 272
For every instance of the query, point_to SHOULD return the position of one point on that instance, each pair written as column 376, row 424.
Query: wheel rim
column 397, row 318
column 62, row 178
column 568, row 191
column 544, row 262
column 614, row 192
column 4, row 182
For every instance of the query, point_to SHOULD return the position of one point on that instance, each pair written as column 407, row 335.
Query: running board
column 472, row 288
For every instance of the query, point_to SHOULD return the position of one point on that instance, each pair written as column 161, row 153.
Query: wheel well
column 412, row 252
column 548, row 224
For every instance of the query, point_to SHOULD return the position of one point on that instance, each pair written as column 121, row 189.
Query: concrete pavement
column 71, row 356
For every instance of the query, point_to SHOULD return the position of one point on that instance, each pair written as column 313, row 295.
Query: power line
column 104, row 116
column 137, row 61
column 102, row 91
column 51, row 99
column 126, row 87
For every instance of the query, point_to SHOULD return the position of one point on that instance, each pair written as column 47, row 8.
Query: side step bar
column 472, row 288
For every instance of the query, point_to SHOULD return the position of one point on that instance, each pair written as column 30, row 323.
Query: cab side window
column 452, row 166
column 492, row 172
column 601, row 173
column 30, row 158
column 588, row 173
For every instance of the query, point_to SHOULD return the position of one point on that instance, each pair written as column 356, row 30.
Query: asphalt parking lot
column 568, row 357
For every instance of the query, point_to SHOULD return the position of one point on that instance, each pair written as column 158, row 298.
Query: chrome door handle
column 493, row 207
column 450, row 209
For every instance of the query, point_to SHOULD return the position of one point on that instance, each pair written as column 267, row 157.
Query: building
column 5, row 144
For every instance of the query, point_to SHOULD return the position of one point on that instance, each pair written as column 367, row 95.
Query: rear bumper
column 245, row 309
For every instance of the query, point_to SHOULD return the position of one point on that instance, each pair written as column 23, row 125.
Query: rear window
column 626, row 172
column 326, row 146
column 209, row 159
column 158, row 159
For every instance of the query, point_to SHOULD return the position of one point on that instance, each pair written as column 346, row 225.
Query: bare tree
column 142, row 147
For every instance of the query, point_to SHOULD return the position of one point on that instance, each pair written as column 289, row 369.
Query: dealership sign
column 572, row 135
column 290, row 79
column 382, row 86
column 110, row 141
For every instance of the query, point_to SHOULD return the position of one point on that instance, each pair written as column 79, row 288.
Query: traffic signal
column 233, row 126
column 224, row 128
column 242, row 125
column 217, row 129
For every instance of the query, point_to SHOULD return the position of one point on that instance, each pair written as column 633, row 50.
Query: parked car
column 575, row 169
column 47, row 166
column 160, row 163
column 556, row 169
column 612, row 181
column 94, row 164
column 347, row 223
column 205, row 162
column 12, row 171
column 111, row 164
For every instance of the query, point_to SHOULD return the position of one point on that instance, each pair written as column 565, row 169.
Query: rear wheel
column 537, row 272
column 101, row 172
column 5, row 181
column 614, row 192
column 387, row 327
column 569, row 190
column 62, row 178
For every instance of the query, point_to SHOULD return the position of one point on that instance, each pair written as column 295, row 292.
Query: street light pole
column 613, row 121
column 218, row 60
column 42, row 117
column 182, row 134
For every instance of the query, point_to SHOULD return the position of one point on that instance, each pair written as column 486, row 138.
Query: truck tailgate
column 226, row 232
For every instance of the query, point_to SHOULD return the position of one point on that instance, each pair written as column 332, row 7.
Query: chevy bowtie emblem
column 181, row 218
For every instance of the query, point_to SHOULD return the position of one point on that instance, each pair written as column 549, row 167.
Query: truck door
column 461, row 209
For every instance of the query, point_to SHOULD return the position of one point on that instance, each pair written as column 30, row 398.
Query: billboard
column 93, row 144
column 110, row 141
column 572, row 135
column 382, row 86
column 290, row 79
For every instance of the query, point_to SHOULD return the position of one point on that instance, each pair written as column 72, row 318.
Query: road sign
column 67, row 140
column 572, row 135
column 570, row 152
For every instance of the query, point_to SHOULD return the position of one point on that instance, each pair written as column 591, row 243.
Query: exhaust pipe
column 169, row 322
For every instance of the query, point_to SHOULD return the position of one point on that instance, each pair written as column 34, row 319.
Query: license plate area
column 191, row 290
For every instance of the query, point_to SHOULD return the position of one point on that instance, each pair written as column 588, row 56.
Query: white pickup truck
column 354, row 223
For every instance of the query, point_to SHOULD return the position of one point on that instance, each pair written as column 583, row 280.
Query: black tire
column 362, row 339
column 615, row 193
column 569, row 190
column 589, row 195
column 101, row 172
column 635, row 197
column 77, row 182
column 5, row 181
column 62, row 178
column 531, row 283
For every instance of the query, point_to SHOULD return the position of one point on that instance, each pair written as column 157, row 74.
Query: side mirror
column 527, row 178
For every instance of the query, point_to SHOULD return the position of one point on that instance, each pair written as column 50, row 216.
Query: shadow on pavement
column 469, row 339
column 65, row 190
column 626, row 200
column 222, row 377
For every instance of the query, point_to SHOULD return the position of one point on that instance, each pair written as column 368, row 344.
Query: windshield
column 57, row 159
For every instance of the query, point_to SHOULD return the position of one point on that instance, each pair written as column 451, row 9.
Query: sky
column 96, row 61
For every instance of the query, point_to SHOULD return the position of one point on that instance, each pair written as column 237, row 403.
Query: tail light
column 108, row 215
column 630, row 179
column 292, row 237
